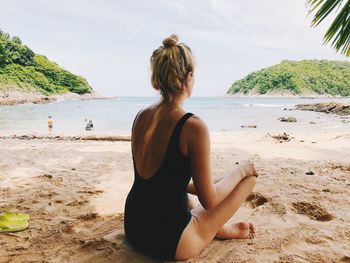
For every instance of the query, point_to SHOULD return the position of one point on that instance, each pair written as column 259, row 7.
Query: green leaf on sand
column 13, row 222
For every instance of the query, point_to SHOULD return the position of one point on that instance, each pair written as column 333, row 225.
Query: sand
column 74, row 192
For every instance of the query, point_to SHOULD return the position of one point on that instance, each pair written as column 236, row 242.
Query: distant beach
column 15, row 96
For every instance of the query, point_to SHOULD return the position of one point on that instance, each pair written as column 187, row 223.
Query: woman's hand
column 248, row 169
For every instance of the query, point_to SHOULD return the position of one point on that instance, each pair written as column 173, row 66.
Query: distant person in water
column 50, row 124
column 175, row 206
column 89, row 126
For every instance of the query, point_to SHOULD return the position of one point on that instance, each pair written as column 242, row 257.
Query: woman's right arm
column 210, row 194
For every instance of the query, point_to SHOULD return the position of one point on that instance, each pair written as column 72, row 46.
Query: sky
column 109, row 42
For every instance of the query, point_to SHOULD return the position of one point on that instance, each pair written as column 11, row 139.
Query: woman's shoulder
column 196, row 125
column 142, row 113
column 196, row 133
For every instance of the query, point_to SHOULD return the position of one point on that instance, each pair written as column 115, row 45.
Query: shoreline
column 93, row 137
column 15, row 97
column 12, row 97
column 284, row 96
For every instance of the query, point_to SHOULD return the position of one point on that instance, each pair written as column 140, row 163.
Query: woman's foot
column 240, row 230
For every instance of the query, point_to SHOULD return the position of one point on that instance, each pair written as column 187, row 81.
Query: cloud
column 110, row 42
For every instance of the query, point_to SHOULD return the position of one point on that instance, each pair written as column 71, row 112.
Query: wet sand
column 74, row 192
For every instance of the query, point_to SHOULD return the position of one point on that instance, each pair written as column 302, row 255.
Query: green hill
column 305, row 77
column 22, row 69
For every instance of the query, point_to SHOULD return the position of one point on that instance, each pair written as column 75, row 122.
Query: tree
column 22, row 68
column 339, row 30
column 17, row 40
column 2, row 55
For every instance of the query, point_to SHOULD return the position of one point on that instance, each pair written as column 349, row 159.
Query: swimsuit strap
column 175, row 137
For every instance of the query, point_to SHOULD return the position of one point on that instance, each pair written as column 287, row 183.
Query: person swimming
column 174, row 207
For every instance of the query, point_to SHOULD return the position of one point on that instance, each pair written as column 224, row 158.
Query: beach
column 83, row 83
column 74, row 191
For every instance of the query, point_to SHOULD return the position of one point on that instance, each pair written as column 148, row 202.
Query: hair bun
column 170, row 41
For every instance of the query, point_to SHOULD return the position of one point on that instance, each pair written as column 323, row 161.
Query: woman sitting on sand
column 169, row 147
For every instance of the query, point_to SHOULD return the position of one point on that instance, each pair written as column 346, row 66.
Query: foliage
column 2, row 55
column 21, row 67
column 298, row 77
column 339, row 30
column 60, row 77
column 17, row 40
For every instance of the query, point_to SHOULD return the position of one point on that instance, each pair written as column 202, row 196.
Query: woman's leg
column 229, row 230
column 205, row 224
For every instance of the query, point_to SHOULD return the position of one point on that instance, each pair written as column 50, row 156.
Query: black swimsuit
column 156, row 209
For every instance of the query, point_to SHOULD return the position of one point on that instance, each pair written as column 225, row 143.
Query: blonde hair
column 170, row 66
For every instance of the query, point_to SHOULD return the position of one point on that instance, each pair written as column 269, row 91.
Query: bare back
column 150, row 138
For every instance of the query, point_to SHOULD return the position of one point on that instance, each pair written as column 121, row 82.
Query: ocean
column 115, row 116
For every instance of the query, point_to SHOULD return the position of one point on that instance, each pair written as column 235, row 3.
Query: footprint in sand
column 313, row 211
column 78, row 203
column 256, row 199
column 92, row 192
column 286, row 259
column 46, row 176
column 341, row 167
column 50, row 178
column 277, row 207
column 88, row 216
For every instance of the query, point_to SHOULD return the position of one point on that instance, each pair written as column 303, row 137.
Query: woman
column 169, row 147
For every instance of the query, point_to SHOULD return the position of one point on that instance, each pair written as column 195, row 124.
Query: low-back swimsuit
column 156, row 209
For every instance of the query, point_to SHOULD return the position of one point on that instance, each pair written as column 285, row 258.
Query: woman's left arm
column 192, row 190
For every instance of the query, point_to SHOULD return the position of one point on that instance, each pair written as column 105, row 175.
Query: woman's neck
column 176, row 101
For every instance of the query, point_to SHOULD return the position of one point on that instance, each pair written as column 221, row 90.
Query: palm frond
column 339, row 30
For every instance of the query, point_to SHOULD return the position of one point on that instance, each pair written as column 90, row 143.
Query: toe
column 251, row 228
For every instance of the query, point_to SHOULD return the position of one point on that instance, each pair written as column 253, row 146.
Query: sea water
column 115, row 116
